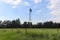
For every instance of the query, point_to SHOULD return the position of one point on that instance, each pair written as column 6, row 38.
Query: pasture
column 30, row 34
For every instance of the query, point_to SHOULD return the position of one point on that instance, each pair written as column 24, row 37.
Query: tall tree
column 25, row 24
column 18, row 24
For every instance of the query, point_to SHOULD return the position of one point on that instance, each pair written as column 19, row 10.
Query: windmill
column 30, row 11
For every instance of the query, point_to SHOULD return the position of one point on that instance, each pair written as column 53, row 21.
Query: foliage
column 17, row 24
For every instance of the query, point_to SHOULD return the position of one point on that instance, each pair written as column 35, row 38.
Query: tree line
column 17, row 24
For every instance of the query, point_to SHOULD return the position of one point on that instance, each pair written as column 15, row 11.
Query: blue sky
column 42, row 10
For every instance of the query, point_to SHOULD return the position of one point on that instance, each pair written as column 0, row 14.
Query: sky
column 42, row 10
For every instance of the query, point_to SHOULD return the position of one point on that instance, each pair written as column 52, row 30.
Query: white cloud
column 54, row 6
column 37, row 1
column 14, row 3
column 14, row 6
column 47, row 0
column 26, row 3
column 55, row 12
column 55, row 19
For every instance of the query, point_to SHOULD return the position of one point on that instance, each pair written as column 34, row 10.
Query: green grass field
column 32, row 34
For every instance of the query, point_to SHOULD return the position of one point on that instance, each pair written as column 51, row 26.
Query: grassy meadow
column 30, row 34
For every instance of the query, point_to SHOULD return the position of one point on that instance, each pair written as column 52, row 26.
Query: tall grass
column 32, row 34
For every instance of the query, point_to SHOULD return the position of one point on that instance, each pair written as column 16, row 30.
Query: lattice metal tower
column 30, row 11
